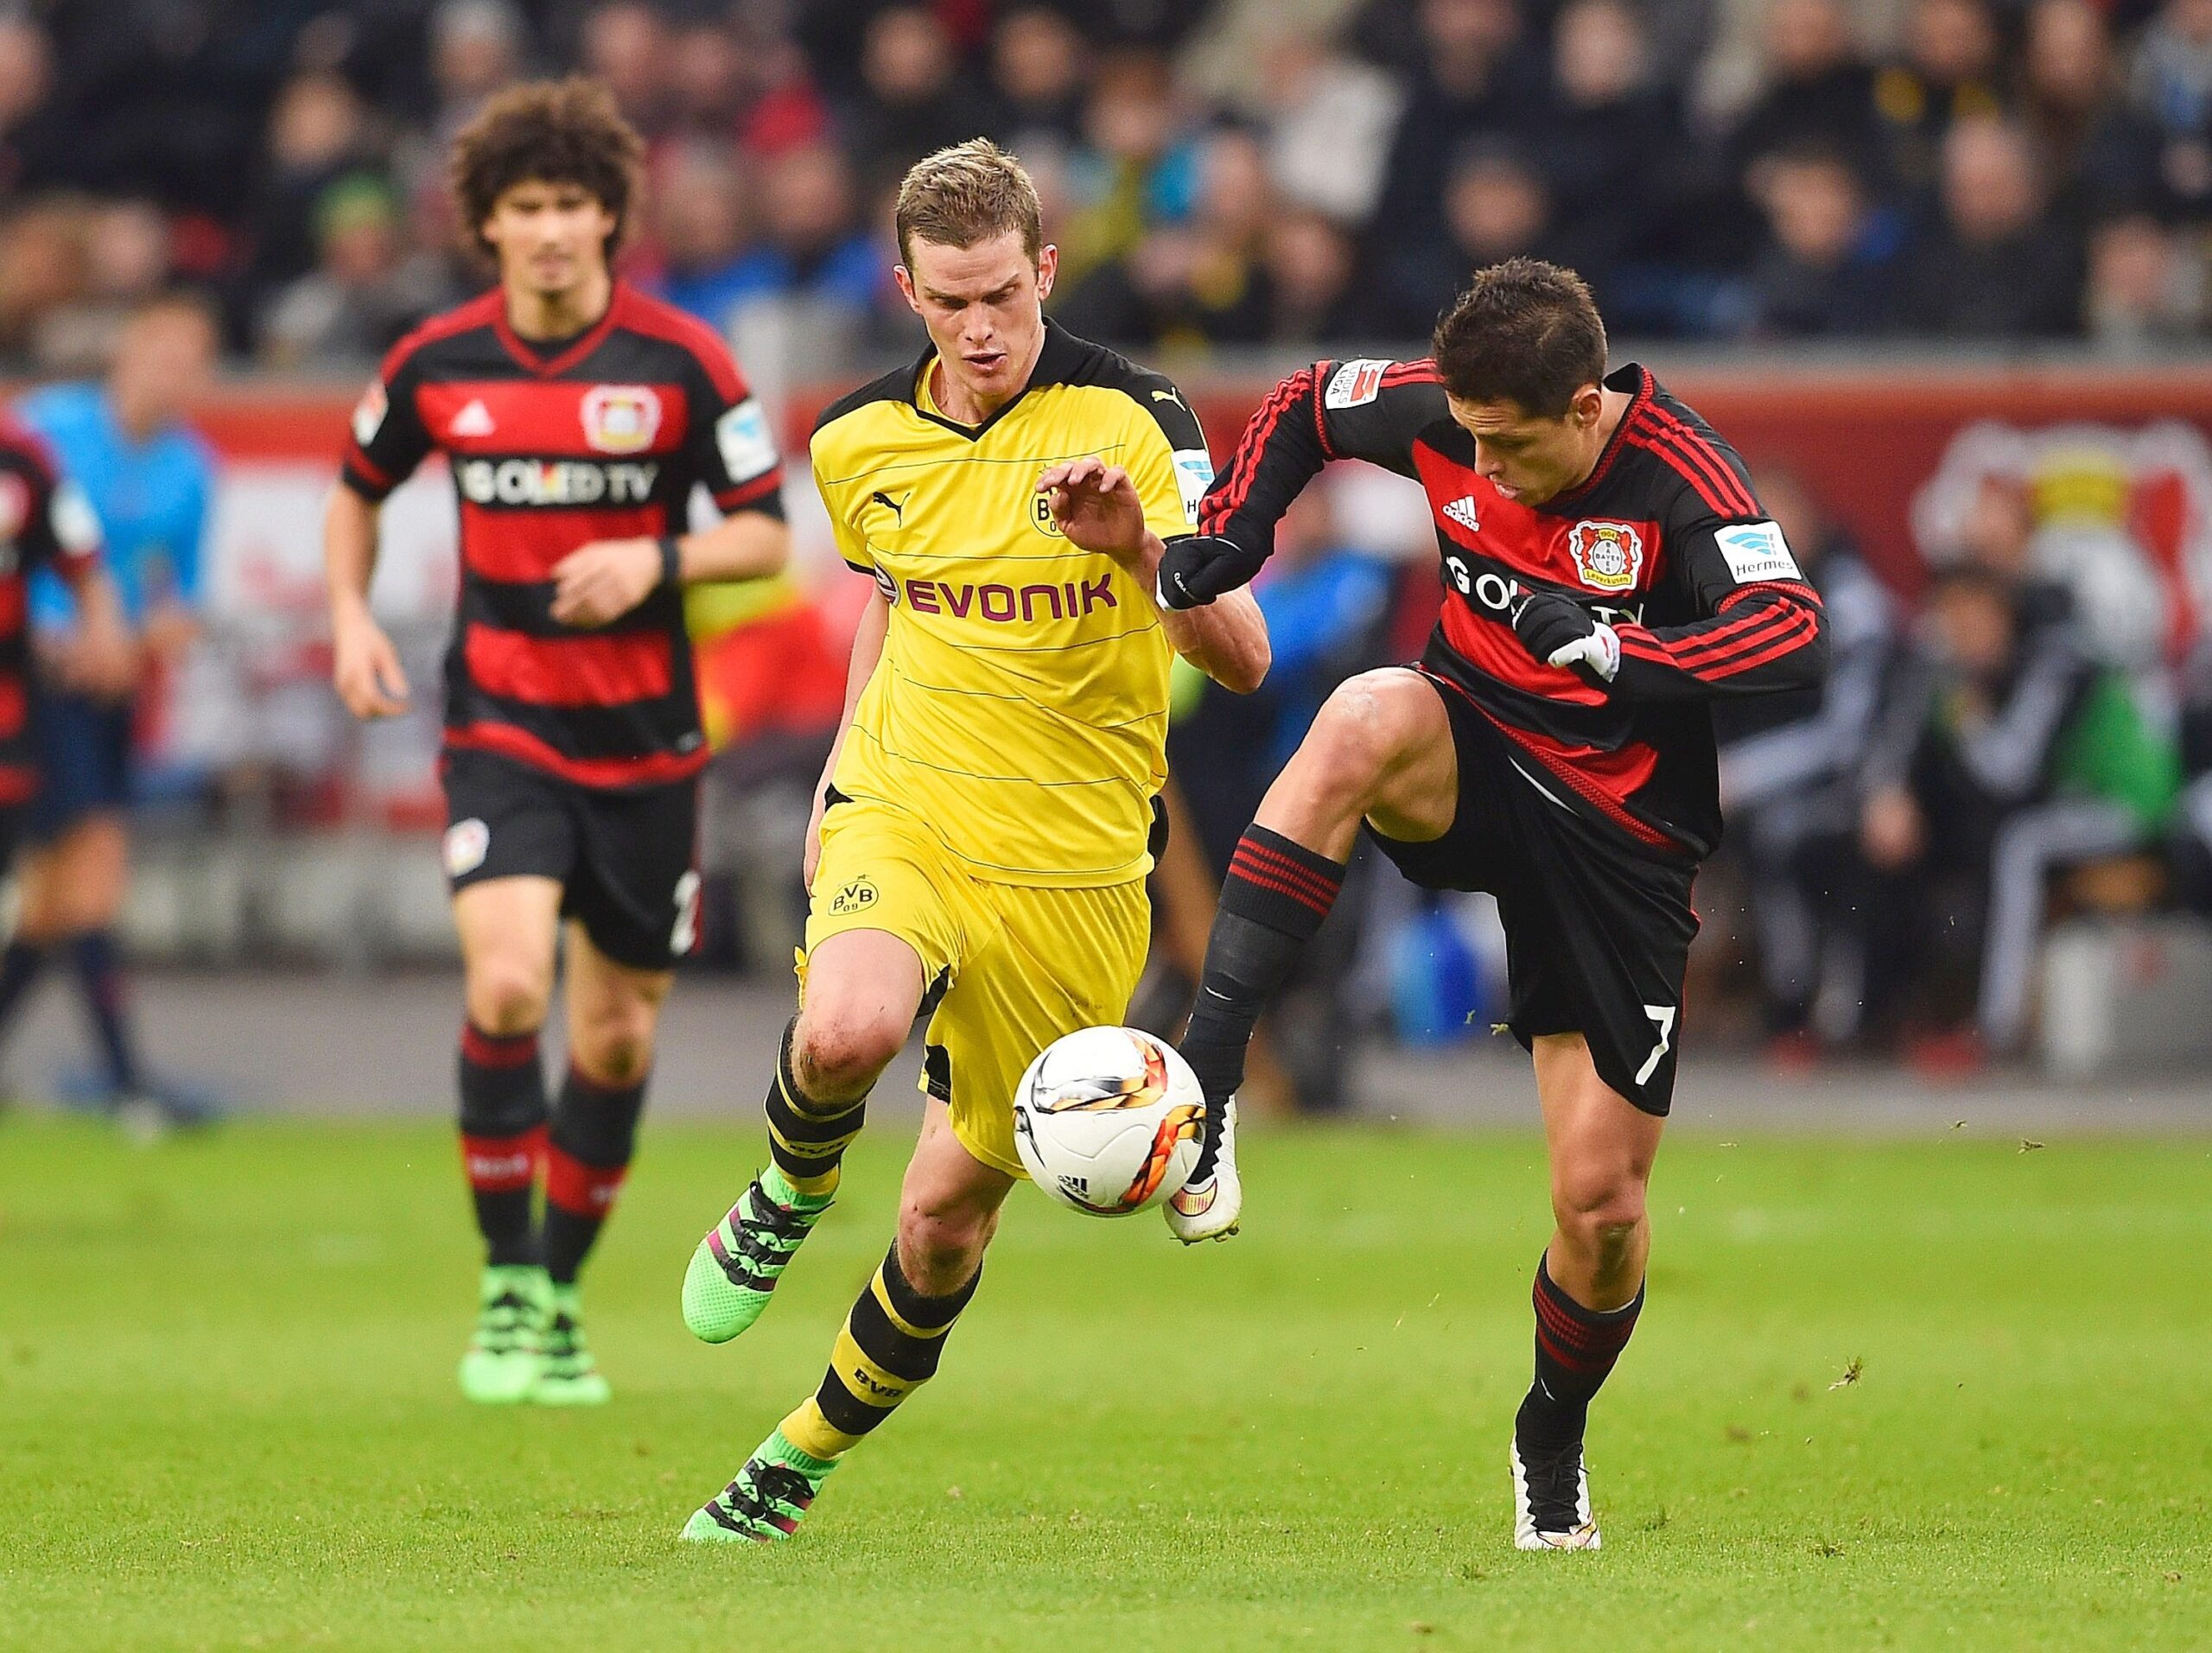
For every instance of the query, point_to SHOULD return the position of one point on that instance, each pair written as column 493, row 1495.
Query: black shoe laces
column 1554, row 1481
column 772, row 1484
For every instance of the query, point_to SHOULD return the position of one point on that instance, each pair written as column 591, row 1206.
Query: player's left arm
column 732, row 452
column 1760, row 629
column 60, row 531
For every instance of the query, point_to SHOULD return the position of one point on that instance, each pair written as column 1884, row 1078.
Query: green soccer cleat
column 736, row 1266
column 764, row 1504
column 501, row 1364
column 567, row 1374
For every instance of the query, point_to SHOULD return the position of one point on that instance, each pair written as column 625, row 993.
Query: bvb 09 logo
column 1041, row 516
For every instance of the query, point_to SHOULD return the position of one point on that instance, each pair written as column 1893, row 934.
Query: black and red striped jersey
column 45, row 521
column 1665, row 542
column 604, row 436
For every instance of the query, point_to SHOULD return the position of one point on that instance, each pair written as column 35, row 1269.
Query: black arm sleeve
column 1364, row 410
column 1760, row 626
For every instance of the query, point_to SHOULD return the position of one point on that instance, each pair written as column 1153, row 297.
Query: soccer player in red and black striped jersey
column 579, row 418
column 1608, row 573
column 46, row 522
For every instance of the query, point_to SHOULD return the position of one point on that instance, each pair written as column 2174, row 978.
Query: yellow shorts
column 1019, row 965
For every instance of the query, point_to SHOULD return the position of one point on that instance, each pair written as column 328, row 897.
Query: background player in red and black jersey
column 578, row 416
column 46, row 522
column 1608, row 573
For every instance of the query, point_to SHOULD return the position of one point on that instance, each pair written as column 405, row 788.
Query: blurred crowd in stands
column 1218, row 173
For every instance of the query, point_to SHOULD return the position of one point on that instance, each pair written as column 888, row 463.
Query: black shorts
column 83, row 760
column 1598, row 929
column 624, row 859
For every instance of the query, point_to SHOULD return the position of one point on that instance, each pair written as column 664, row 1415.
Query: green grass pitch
column 228, row 1418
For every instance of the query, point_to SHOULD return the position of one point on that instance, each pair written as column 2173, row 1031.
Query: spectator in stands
column 126, row 262
column 1137, row 166
column 707, row 86
column 1794, row 773
column 1312, row 298
column 367, row 289
column 1611, row 142
column 318, row 132
column 1328, row 119
column 1202, row 281
column 32, row 134
column 1037, row 72
column 625, row 44
column 1829, row 267
column 1818, row 90
column 150, row 480
column 1496, row 206
column 1951, row 70
column 699, row 218
column 2027, row 760
column 2101, row 156
column 1477, row 74
column 812, row 249
column 476, row 48
column 1993, row 267
column 2146, row 293
column 2170, row 85
column 913, row 97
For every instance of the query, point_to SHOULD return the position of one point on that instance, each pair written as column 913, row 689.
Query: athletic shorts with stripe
column 1597, row 928
column 1009, row 968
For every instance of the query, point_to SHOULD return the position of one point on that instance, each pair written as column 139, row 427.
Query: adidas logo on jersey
column 1462, row 511
column 474, row 420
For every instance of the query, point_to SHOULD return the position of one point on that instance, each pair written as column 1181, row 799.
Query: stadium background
column 1942, row 264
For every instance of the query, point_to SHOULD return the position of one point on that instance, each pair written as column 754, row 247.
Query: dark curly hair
column 1526, row 332
column 547, row 131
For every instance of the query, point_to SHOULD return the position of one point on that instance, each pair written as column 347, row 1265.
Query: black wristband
column 671, row 560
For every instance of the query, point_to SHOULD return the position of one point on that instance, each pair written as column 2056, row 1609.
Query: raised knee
column 841, row 1053
column 506, row 998
column 1600, row 1208
column 1359, row 730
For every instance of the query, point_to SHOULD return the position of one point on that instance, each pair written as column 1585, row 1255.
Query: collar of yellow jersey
column 1056, row 364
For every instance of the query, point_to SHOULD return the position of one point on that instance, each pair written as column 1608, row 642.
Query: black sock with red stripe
column 1273, row 899
column 502, row 1137
column 1576, row 1348
column 587, row 1154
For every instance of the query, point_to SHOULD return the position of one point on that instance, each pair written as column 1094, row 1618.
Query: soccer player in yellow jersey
column 983, row 827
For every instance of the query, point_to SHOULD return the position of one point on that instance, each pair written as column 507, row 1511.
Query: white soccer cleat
column 1211, row 1210
column 1551, row 1501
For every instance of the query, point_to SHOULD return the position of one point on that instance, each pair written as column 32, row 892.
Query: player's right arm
column 1364, row 410
column 388, row 441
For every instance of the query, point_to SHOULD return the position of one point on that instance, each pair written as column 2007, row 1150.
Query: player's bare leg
column 1380, row 749
column 890, row 1344
column 613, row 1013
column 1589, row 1286
column 862, row 990
column 507, row 928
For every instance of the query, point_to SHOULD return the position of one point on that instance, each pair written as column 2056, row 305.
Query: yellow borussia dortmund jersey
column 1020, row 707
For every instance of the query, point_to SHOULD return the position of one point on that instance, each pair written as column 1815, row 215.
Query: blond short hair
column 968, row 194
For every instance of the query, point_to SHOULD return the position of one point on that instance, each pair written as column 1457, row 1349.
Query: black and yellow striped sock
column 806, row 1138
column 888, row 1349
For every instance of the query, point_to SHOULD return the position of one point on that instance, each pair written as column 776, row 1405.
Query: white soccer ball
column 1107, row 1120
